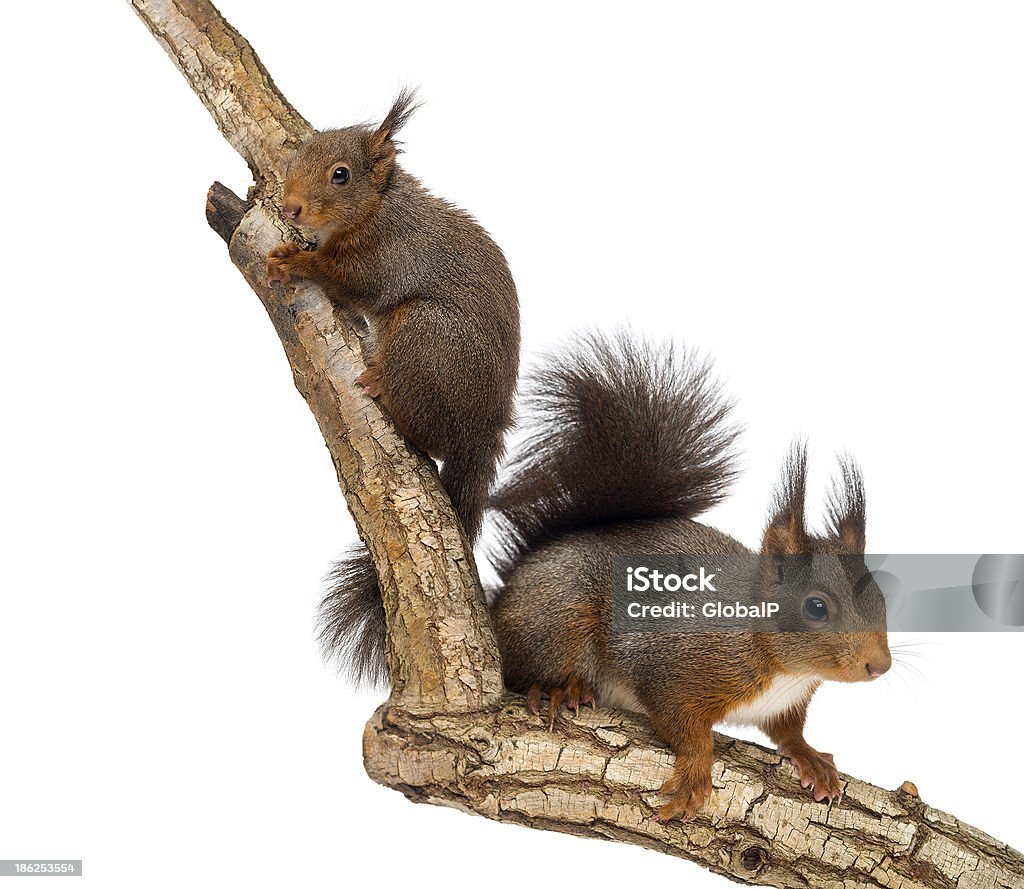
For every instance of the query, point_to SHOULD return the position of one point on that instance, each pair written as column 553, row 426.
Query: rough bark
column 447, row 735
column 442, row 653
column 598, row 775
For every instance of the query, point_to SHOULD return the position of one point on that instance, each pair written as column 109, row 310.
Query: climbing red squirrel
column 628, row 444
column 443, row 314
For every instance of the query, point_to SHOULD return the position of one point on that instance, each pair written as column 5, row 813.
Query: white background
column 826, row 198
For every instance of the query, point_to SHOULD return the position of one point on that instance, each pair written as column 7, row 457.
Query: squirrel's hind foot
column 574, row 694
column 689, row 787
column 370, row 381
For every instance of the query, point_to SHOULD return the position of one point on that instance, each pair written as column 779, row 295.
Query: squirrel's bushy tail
column 353, row 628
column 619, row 429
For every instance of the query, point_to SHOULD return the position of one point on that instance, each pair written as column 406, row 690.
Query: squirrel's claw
column 572, row 695
column 817, row 772
column 578, row 692
column 556, row 704
column 275, row 273
column 533, row 697
column 277, row 262
column 689, row 793
column 370, row 381
column 680, row 806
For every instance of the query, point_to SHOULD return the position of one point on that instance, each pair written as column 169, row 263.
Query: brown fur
column 442, row 310
column 553, row 617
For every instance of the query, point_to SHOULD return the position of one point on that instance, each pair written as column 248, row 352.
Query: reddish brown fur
column 553, row 618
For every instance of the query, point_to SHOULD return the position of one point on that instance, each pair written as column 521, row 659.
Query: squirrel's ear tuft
column 402, row 109
column 786, row 533
column 847, row 510
column 382, row 144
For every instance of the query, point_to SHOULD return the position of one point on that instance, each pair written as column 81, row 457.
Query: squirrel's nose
column 292, row 211
column 879, row 666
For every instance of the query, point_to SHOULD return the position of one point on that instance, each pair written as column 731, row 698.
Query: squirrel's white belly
column 784, row 693
column 619, row 696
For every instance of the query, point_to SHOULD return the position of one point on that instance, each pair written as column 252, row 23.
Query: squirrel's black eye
column 815, row 609
column 339, row 176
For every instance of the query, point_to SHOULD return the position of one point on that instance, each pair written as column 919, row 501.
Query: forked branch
column 447, row 735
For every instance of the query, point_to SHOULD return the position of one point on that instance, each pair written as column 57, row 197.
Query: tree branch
column 230, row 80
column 442, row 653
column 224, row 211
column 447, row 735
column 598, row 775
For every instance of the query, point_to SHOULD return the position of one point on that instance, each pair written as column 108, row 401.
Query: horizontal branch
column 598, row 775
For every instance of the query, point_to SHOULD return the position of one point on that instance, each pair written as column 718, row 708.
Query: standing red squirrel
column 443, row 314
column 628, row 445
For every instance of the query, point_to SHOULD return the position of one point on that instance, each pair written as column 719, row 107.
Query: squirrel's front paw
column 817, row 771
column 689, row 789
column 280, row 266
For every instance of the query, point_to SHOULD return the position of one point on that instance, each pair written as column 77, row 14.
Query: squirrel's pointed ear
column 847, row 511
column 382, row 146
column 786, row 533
